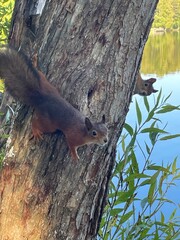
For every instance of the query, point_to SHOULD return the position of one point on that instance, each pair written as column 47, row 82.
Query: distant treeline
column 6, row 8
column 167, row 15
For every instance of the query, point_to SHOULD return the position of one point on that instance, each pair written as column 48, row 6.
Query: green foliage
column 164, row 14
column 6, row 8
column 167, row 14
column 2, row 154
column 137, row 192
column 176, row 17
column 1, row 86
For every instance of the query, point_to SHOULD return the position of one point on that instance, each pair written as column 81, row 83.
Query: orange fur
column 52, row 112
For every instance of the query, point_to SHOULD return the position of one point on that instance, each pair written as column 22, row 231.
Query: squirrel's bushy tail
column 21, row 78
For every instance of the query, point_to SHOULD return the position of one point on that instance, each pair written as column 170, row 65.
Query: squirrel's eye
column 94, row 133
column 146, row 84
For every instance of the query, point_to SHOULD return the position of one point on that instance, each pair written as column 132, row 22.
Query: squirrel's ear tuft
column 103, row 119
column 88, row 124
column 152, row 80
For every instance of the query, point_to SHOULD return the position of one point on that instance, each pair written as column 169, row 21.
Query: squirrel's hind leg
column 73, row 151
column 37, row 133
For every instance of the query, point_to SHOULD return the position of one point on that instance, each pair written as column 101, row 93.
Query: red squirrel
column 51, row 112
column 144, row 87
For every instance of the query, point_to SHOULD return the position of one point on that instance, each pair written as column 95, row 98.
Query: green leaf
column 153, row 137
column 174, row 167
column 152, row 129
column 161, row 183
column 162, row 217
column 165, row 200
column 168, row 108
column 146, row 103
column 132, row 142
column 138, row 112
column 116, row 211
column 124, row 196
column 144, row 233
column 120, row 166
column 134, row 162
column 137, row 176
column 158, row 168
column 165, row 100
column 173, row 214
column 176, row 177
column 160, row 224
column 125, row 217
column 152, row 188
column 170, row 137
column 158, row 98
column 150, row 115
column 129, row 129
column 151, row 192
column 147, row 149
column 146, row 182
column 123, row 144
column 112, row 186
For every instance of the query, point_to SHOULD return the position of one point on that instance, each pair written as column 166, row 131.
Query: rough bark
column 90, row 50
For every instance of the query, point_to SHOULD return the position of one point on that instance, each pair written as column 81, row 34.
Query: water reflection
column 162, row 54
column 161, row 59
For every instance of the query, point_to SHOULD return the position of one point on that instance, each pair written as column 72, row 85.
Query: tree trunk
column 89, row 50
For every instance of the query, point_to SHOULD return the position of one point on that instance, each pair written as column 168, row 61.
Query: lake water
column 162, row 54
column 161, row 59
